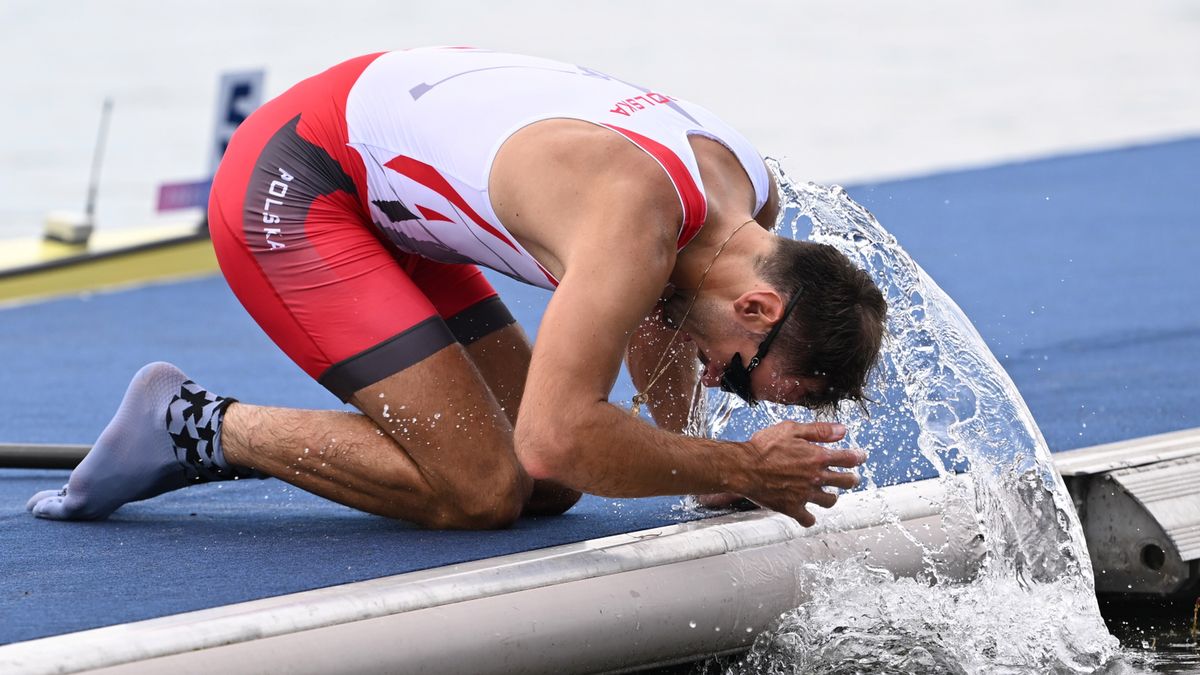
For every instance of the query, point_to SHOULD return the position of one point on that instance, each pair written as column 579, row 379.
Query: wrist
column 737, row 472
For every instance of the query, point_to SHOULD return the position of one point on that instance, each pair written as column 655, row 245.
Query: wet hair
column 835, row 331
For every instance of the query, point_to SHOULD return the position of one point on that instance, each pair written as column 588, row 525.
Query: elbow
column 546, row 450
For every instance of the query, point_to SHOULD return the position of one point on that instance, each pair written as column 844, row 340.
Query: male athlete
column 348, row 216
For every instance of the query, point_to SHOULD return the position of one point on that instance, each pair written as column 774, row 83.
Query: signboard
column 239, row 94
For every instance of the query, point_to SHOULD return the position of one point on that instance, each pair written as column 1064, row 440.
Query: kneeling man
column 349, row 215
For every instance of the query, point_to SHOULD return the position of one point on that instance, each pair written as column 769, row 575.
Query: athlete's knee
column 481, row 500
column 492, row 507
column 487, row 514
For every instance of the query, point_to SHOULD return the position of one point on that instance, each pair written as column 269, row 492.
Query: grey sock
column 138, row 457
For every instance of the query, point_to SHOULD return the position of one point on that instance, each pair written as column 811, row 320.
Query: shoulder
column 577, row 174
column 570, row 148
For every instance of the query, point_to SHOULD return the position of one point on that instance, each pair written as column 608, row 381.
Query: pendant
column 638, row 400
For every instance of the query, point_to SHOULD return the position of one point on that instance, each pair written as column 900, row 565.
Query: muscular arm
column 567, row 430
column 673, row 395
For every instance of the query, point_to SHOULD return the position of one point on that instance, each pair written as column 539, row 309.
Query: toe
column 51, row 507
column 44, row 494
column 58, row 505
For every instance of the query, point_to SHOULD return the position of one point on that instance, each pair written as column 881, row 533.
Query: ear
column 759, row 309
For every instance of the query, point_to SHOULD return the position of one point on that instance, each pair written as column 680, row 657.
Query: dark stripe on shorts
column 480, row 319
column 387, row 358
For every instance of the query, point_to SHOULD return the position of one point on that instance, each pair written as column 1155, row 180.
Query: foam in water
column 942, row 404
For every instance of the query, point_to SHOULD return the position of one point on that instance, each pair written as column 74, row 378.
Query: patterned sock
column 194, row 423
column 164, row 436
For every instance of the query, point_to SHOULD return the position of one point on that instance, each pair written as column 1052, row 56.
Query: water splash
column 863, row 620
column 942, row 404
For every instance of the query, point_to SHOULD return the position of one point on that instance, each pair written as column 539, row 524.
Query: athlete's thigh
column 502, row 358
column 443, row 414
column 481, row 323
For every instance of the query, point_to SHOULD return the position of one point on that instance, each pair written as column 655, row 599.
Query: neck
column 714, row 270
column 729, row 252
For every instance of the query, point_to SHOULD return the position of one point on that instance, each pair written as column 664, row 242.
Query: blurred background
column 840, row 92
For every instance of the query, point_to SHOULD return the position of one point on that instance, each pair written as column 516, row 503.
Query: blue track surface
column 1076, row 270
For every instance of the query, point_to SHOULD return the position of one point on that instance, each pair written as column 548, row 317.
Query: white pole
column 97, row 159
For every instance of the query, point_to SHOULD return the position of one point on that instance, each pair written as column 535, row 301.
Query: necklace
column 642, row 397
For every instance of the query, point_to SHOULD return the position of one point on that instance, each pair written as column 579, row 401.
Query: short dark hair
column 837, row 327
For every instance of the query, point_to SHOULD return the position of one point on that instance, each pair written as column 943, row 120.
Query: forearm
column 606, row 451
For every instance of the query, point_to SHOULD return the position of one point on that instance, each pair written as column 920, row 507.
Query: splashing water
column 942, row 404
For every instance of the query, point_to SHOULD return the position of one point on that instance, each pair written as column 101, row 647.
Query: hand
column 787, row 471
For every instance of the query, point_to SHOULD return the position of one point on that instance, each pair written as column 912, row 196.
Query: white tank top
column 429, row 122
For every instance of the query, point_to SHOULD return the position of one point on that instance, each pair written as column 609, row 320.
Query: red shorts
column 295, row 243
